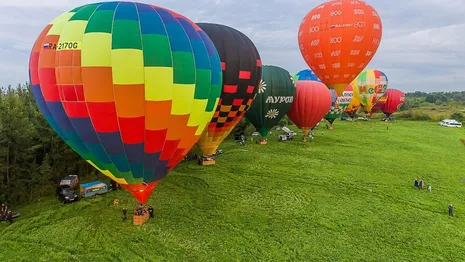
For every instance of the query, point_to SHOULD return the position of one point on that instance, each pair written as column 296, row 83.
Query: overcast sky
column 422, row 47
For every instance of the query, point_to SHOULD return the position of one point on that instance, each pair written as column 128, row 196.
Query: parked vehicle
column 288, row 136
column 93, row 188
column 71, row 180
column 450, row 123
column 66, row 194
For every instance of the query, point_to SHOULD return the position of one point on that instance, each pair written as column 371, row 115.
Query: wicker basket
column 140, row 220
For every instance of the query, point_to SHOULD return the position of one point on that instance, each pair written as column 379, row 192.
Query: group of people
column 420, row 184
column 6, row 214
column 140, row 211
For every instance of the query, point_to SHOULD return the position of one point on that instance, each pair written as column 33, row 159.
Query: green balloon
column 275, row 95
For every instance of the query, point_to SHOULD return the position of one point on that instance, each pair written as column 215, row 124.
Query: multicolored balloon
column 312, row 101
column 369, row 87
column 242, row 72
column 129, row 86
column 339, row 104
column 338, row 39
column 306, row 74
column 274, row 99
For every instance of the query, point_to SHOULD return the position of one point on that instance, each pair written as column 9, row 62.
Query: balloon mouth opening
column 339, row 88
column 141, row 191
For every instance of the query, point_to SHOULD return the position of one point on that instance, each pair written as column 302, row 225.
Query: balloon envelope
column 369, row 87
column 380, row 104
column 338, row 39
column 274, row 99
column 339, row 104
column 354, row 104
column 129, row 86
column 241, row 76
column 395, row 100
column 312, row 101
column 306, row 74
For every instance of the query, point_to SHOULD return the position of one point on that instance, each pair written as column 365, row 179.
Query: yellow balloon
column 353, row 107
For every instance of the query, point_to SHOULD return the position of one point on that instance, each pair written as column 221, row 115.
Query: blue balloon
column 306, row 74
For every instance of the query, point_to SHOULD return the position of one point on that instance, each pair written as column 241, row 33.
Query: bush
column 457, row 116
column 420, row 115
column 405, row 114
column 438, row 117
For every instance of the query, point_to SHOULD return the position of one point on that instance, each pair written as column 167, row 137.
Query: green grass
column 346, row 196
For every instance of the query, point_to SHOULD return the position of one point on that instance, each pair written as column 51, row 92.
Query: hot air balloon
column 306, row 74
column 312, row 101
column 274, row 99
column 241, row 76
column 395, row 100
column 354, row 104
column 338, row 39
column 129, row 86
column 369, row 87
column 338, row 105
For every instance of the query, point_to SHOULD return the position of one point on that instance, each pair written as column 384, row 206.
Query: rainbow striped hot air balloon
column 129, row 86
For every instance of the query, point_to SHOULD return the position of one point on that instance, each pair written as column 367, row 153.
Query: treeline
column 416, row 99
column 458, row 96
column 33, row 158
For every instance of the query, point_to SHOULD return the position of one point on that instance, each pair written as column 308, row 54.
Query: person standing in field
column 429, row 188
column 451, row 210
column 421, row 183
column 125, row 211
column 416, row 183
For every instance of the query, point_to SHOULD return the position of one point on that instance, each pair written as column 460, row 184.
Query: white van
column 450, row 123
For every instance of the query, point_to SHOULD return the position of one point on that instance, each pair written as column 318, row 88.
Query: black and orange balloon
column 242, row 72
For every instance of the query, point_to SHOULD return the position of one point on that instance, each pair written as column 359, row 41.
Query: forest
column 33, row 158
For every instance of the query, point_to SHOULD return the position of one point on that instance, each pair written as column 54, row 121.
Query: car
column 70, row 180
column 66, row 194
column 450, row 123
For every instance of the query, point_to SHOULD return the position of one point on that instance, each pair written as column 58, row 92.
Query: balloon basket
column 264, row 142
column 140, row 220
column 208, row 162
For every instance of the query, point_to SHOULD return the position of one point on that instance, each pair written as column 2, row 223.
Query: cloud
column 421, row 46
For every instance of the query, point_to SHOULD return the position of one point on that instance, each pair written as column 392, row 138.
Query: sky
column 421, row 48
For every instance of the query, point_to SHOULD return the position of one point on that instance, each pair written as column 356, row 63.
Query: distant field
column 434, row 112
column 346, row 196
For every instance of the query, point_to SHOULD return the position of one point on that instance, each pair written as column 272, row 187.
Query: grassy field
column 346, row 196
